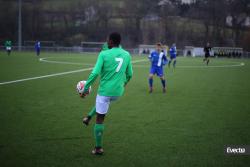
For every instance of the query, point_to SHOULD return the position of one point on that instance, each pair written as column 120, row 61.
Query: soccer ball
column 80, row 87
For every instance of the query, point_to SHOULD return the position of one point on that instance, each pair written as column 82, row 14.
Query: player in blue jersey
column 173, row 54
column 158, row 60
column 38, row 47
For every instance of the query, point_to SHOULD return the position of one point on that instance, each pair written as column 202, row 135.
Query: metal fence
column 78, row 49
column 246, row 55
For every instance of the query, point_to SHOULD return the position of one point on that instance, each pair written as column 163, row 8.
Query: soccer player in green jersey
column 114, row 67
column 8, row 45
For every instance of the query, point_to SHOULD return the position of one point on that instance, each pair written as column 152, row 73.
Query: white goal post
column 91, row 44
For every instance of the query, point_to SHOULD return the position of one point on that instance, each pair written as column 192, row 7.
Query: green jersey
column 8, row 44
column 115, row 69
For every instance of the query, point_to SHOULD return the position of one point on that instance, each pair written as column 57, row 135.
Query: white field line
column 71, row 63
column 215, row 66
column 88, row 69
column 45, row 76
column 137, row 61
column 55, row 74
column 205, row 66
column 143, row 60
column 63, row 62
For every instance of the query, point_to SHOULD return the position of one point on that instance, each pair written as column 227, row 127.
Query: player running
column 207, row 50
column 173, row 54
column 114, row 67
column 158, row 60
column 8, row 45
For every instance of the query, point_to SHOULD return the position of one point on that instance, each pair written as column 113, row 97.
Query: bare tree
column 137, row 10
column 239, row 10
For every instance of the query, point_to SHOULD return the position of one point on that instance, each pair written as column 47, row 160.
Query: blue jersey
column 173, row 52
column 157, row 59
column 37, row 46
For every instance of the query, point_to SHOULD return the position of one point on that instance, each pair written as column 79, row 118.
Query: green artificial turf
column 204, row 110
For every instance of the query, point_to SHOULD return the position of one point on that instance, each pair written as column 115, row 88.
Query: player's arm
column 129, row 72
column 94, row 74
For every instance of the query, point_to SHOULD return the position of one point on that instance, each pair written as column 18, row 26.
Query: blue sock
column 163, row 82
column 150, row 81
column 174, row 63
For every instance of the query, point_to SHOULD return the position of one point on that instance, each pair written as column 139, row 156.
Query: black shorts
column 207, row 55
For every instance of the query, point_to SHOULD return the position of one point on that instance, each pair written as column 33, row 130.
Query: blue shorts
column 172, row 57
column 156, row 70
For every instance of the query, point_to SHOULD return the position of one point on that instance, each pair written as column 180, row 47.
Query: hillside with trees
column 68, row 22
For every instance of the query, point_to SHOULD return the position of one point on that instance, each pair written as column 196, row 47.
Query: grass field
column 205, row 109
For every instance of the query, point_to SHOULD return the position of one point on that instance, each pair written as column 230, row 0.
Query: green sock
column 98, row 131
column 92, row 112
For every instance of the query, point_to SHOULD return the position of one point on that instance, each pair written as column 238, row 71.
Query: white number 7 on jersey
column 120, row 60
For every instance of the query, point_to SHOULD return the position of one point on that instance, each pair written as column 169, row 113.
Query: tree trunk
column 138, row 29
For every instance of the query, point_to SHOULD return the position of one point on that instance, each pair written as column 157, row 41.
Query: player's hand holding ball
column 80, row 89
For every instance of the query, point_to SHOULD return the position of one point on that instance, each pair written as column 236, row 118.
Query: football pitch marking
column 236, row 64
column 46, row 76
column 63, row 62
column 55, row 74
column 72, row 63
column 215, row 66
column 203, row 66
column 88, row 69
